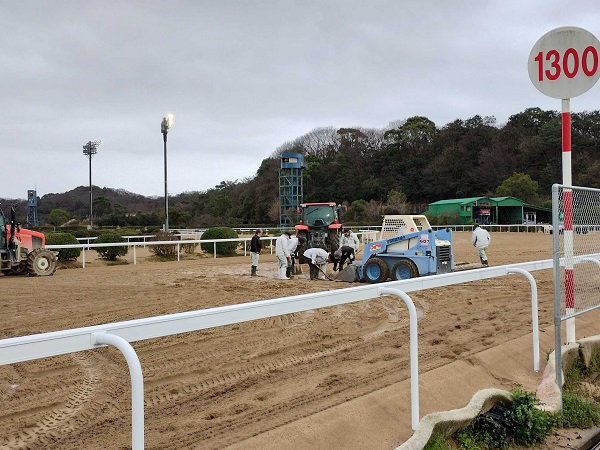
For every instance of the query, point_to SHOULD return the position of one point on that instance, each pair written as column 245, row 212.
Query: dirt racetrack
column 220, row 387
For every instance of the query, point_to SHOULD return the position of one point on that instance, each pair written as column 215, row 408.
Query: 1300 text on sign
column 564, row 63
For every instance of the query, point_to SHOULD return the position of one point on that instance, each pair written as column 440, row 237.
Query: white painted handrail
column 534, row 316
column 414, row 352
column 26, row 348
column 137, row 384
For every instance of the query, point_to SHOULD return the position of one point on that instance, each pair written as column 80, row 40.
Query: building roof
column 458, row 200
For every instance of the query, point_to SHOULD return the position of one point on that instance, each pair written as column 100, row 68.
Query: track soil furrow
column 217, row 387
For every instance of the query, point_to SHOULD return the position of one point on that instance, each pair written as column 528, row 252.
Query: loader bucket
column 349, row 274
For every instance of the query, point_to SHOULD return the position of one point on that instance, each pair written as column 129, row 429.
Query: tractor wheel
column 375, row 270
column 41, row 262
column 21, row 269
column 404, row 269
column 334, row 241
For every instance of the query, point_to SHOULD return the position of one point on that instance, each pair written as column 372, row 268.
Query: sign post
column 564, row 64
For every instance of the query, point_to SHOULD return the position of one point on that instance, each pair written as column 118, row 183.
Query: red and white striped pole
column 568, row 220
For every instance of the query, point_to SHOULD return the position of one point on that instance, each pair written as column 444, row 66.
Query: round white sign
column 565, row 62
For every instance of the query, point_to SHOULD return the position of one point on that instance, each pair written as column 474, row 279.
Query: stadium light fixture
column 89, row 150
column 165, row 125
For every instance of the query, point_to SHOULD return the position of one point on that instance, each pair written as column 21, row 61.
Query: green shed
column 490, row 210
column 463, row 210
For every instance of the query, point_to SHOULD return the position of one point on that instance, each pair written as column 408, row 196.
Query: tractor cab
column 320, row 225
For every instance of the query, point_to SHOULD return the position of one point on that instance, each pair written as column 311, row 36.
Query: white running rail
column 120, row 334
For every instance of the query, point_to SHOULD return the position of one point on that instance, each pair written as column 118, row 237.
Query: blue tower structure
column 32, row 208
column 291, row 188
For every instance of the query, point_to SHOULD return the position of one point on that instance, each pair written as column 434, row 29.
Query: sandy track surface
column 217, row 387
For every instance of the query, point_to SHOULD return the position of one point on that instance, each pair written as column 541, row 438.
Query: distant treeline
column 400, row 168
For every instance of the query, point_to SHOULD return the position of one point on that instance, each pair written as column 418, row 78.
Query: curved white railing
column 119, row 334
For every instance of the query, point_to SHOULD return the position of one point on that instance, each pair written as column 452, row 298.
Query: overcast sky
column 243, row 77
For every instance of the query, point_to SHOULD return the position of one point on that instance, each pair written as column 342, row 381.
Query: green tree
column 178, row 218
column 519, row 185
column 111, row 253
column 358, row 211
column 396, row 202
column 59, row 216
column 223, row 248
column 220, row 204
column 101, row 206
column 64, row 254
column 415, row 132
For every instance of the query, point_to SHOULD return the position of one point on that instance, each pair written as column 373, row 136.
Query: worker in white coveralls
column 481, row 239
column 282, row 251
column 349, row 239
column 293, row 244
column 316, row 259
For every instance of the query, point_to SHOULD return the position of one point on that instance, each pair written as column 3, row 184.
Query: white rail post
column 137, row 384
column 414, row 351
column 534, row 315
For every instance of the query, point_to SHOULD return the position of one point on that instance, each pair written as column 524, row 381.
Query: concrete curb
column 447, row 423
column 548, row 392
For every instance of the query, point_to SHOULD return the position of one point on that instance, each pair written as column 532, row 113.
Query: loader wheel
column 375, row 270
column 41, row 262
column 404, row 269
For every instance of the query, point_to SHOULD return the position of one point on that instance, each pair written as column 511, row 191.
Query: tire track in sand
column 77, row 410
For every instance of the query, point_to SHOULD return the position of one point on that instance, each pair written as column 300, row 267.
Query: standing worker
column 350, row 239
column 255, row 248
column 317, row 259
column 282, row 251
column 293, row 246
column 481, row 239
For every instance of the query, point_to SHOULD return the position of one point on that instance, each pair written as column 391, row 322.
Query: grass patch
column 518, row 424
column 527, row 424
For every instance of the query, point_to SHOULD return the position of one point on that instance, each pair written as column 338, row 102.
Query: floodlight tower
column 164, row 129
column 89, row 150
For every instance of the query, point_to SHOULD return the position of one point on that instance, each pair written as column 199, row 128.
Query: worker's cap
column 289, row 233
column 347, row 230
column 476, row 226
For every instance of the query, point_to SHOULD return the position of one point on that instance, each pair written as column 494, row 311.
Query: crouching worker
column 317, row 259
column 341, row 255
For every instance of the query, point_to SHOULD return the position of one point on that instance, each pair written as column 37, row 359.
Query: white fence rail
column 365, row 236
column 120, row 334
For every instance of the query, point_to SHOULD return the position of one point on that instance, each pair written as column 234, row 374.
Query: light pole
column 164, row 129
column 89, row 150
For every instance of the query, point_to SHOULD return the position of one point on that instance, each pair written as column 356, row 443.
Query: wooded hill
column 400, row 168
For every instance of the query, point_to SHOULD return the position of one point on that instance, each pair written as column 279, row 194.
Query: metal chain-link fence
column 576, row 228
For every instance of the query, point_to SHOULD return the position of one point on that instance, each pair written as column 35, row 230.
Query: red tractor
column 320, row 225
column 22, row 251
